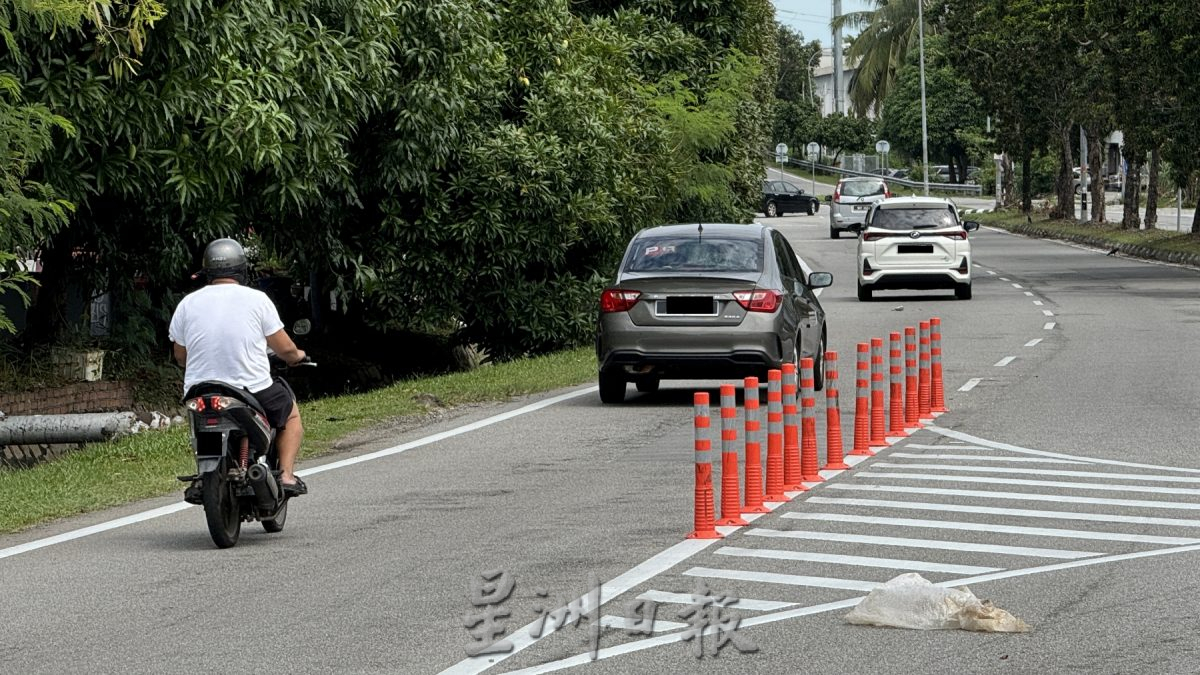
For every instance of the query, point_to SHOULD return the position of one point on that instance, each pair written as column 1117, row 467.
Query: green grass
column 104, row 475
column 1107, row 233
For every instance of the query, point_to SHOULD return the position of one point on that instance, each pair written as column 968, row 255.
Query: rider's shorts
column 277, row 400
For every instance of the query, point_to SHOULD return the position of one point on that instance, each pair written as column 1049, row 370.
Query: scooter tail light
column 194, row 404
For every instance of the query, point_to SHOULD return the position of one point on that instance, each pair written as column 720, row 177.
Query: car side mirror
column 971, row 225
column 828, row 198
column 856, row 228
column 820, row 279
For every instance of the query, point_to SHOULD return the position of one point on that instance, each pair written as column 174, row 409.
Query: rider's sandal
column 295, row 489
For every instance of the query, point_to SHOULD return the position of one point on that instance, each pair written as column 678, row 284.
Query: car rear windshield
column 696, row 254
column 913, row 219
column 863, row 188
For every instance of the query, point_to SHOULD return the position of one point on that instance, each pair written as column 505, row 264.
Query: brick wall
column 79, row 397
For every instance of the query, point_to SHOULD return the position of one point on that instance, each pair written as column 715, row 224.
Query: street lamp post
column 812, row 81
column 924, row 117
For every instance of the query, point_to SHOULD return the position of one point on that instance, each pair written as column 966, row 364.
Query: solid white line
column 977, row 458
column 93, row 529
column 952, row 446
column 1033, row 343
column 920, row 543
column 648, row 643
column 1042, row 472
column 1049, row 326
column 1005, row 361
column 1101, row 487
column 991, row 527
column 1020, row 496
column 970, row 384
column 625, row 623
column 1017, row 286
column 998, row 511
column 1038, row 303
column 967, row 438
column 861, row 561
column 1047, row 312
column 788, row 579
column 741, row 603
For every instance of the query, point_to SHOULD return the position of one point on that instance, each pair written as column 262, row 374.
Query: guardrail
column 964, row 188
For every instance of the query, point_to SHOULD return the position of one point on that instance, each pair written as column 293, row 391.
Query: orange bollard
column 896, row 366
column 774, row 438
column 938, row 397
column 923, row 375
column 704, row 517
column 791, row 433
column 809, row 460
column 862, row 423
column 912, row 412
column 833, row 416
column 731, row 499
column 878, row 440
column 753, row 471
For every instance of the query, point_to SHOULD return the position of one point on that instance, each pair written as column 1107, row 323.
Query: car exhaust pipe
column 266, row 488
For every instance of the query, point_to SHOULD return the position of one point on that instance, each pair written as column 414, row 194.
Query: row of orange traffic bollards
column 916, row 393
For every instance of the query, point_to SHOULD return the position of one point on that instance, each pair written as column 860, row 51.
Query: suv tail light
column 887, row 191
column 956, row 235
column 618, row 300
column 837, row 193
column 874, row 236
column 758, row 301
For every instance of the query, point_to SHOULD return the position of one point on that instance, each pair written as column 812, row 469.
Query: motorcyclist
column 223, row 332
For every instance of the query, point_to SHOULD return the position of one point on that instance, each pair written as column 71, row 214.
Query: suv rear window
column 694, row 254
column 863, row 188
column 914, row 219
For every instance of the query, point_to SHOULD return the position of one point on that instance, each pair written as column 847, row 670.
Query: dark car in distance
column 780, row 197
column 705, row 301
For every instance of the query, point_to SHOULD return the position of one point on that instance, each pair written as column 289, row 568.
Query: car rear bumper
column 690, row 353
column 691, row 366
column 915, row 279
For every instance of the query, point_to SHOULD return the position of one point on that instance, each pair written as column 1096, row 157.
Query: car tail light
column 957, row 235
column 887, row 192
column 837, row 193
column 758, row 301
column 618, row 300
column 874, row 236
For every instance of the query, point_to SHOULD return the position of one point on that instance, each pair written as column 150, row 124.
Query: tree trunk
column 1026, row 179
column 47, row 318
column 1152, row 192
column 1196, row 220
column 1007, row 181
column 1133, row 193
column 1065, row 208
column 1095, row 159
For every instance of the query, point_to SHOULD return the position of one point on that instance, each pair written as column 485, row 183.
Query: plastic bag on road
column 911, row 601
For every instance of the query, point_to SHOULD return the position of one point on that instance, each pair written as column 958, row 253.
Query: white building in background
column 822, row 85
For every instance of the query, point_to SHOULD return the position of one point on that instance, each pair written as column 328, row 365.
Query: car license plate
column 915, row 248
column 860, row 208
column 689, row 305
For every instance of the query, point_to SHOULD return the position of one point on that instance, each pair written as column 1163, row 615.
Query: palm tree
column 887, row 33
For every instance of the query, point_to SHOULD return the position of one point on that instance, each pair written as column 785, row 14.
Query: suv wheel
column 963, row 291
column 612, row 387
column 835, row 233
column 812, row 208
column 771, row 210
column 864, row 293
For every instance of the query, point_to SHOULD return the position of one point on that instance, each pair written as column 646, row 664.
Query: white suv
column 850, row 201
column 914, row 243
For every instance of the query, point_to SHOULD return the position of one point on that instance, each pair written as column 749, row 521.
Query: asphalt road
column 1066, row 370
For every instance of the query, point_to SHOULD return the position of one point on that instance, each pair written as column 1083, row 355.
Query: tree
column 888, row 34
column 839, row 133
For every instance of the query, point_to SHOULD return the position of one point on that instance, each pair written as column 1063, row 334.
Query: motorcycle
column 236, row 460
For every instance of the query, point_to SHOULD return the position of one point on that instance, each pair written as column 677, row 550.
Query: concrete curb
column 1132, row 250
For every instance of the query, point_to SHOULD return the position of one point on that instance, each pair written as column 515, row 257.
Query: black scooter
column 236, row 460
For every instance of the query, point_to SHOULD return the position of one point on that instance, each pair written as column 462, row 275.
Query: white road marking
column 970, row 384
column 1047, row 312
column 1005, row 361
column 991, row 527
column 1101, row 487
column 1017, row 286
column 1033, row 343
column 977, row 458
column 741, row 603
column 1020, row 496
column 967, row 438
column 951, row 446
column 1040, row 472
column 1038, row 303
column 625, row 623
column 920, row 543
column 998, row 511
column 1029, row 293
column 93, row 529
column 1003, row 278
column 648, row 643
column 1049, row 326
column 788, row 579
column 991, row 272
column 861, row 561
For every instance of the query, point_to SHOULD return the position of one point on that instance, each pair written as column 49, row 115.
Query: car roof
column 914, row 203
column 727, row 230
column 849, row 179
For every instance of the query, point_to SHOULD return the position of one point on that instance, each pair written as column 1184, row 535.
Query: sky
column 811, row 17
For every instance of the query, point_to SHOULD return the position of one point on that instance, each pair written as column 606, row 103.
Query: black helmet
column 225, row 258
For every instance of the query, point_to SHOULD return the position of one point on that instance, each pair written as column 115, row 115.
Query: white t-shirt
column 224, row 328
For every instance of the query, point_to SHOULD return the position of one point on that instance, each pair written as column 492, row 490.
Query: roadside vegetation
column 144, row 465
column 1150, row 243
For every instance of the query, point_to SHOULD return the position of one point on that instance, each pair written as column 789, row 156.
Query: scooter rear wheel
column 221, row 510
column 276, row 524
